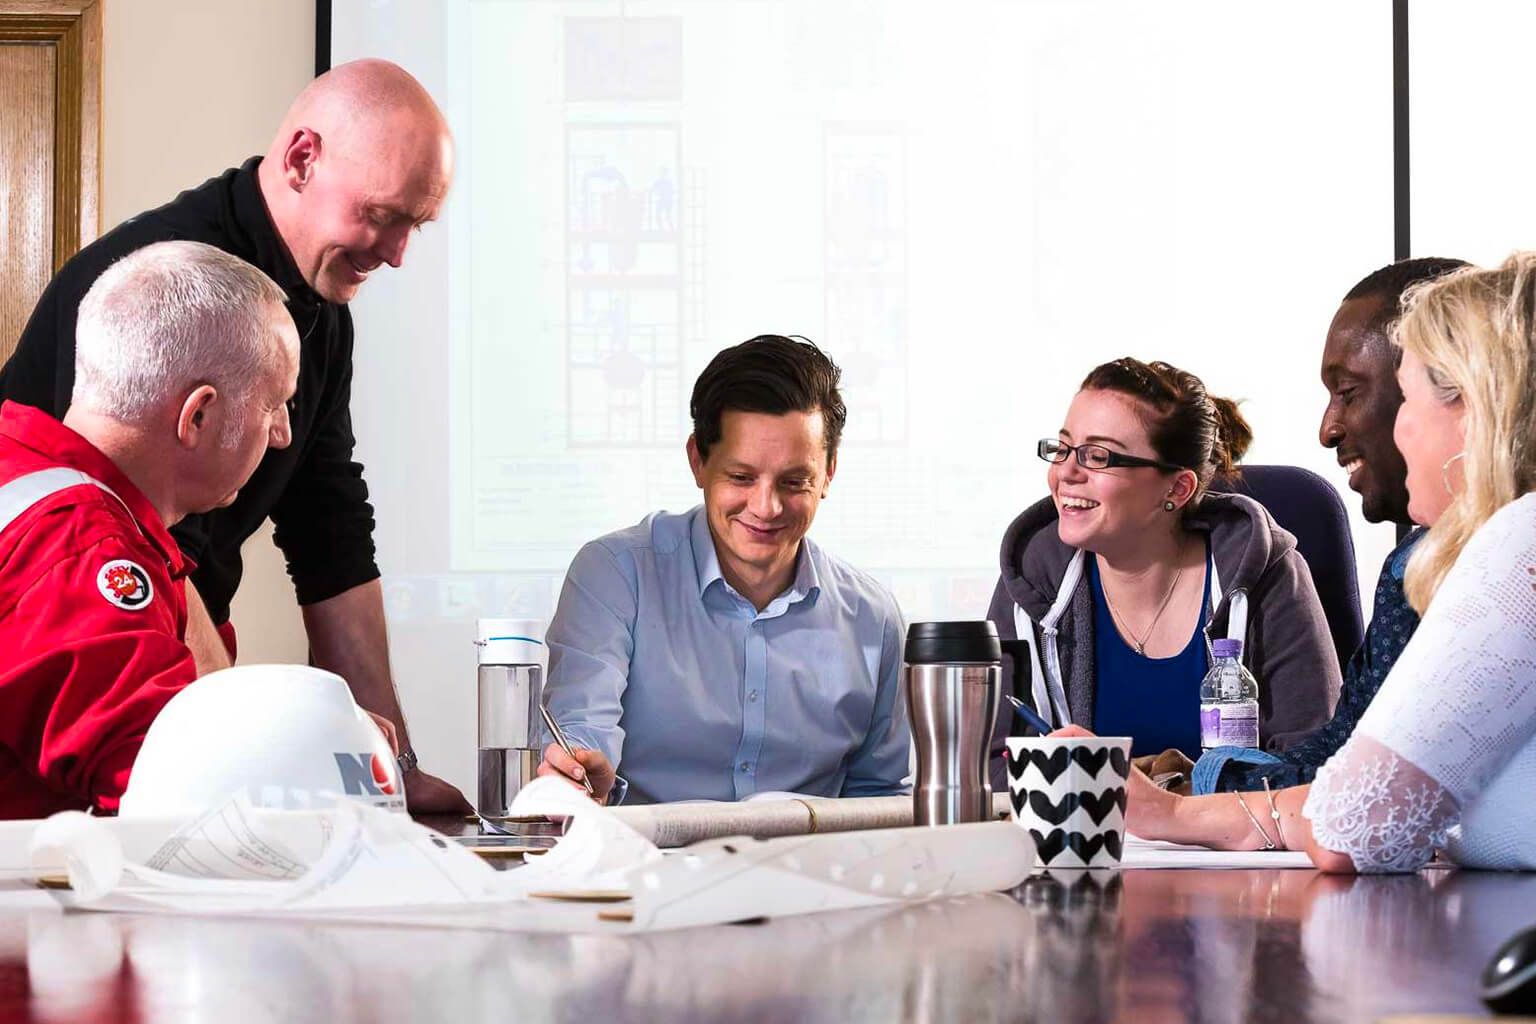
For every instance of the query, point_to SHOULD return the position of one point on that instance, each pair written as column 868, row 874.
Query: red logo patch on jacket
column 125, row 584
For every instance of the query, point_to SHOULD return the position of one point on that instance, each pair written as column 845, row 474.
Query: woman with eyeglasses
column 1122, row 577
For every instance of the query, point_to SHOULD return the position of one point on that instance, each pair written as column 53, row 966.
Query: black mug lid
column 937, row 643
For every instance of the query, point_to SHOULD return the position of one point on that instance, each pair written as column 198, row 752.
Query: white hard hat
column 287, row 736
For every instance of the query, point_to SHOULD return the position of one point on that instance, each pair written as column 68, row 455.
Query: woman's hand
column 1149, row 809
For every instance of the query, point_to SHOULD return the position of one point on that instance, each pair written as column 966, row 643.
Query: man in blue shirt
column 1359, row 371
column 720, row 653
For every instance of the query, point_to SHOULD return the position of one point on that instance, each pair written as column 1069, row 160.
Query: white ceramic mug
column 1069, row 794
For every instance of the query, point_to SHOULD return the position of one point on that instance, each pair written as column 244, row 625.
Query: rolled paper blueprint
column 671, row 825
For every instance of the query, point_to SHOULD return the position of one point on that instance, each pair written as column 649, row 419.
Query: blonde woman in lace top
column 1444, row 760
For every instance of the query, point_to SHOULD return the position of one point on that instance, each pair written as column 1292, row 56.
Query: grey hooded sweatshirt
column 1261, row 593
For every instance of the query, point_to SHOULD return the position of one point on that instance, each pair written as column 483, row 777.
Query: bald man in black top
column 363, row 158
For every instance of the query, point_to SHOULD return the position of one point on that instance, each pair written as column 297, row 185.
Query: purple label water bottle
column 1229, row 700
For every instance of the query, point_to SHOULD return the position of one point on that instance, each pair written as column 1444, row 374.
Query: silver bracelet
column 1274, row 814
column 1269, row 844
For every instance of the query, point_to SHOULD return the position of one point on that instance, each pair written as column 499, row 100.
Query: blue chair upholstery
column 1308, row 506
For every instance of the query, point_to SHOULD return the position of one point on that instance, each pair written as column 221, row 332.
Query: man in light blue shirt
column 720, row 653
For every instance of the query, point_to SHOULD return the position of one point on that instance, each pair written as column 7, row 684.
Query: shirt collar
column 1397, row 561
column 706, row 563
column 35, row 429
column 706, row 560
column 807, row 582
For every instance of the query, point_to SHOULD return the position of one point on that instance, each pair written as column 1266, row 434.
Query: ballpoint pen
column 565, row 745
column 1027, row 713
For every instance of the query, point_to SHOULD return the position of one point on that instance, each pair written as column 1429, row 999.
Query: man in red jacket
column 184, row 364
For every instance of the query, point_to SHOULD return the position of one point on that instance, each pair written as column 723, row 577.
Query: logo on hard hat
column 381, row 776
column 125, row 584
column 365, row 775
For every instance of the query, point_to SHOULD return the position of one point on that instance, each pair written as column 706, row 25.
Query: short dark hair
column 773, row 374
column 1186, row 426
column 1391, row 282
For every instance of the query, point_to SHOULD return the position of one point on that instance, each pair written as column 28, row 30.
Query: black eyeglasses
column 1095, row 456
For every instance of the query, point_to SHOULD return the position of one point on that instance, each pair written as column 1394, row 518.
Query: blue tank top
column 1155, row 701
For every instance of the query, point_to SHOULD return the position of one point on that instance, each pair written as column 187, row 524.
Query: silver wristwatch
column 407, row 761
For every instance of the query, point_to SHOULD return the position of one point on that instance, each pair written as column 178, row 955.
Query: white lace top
column 1445, row 757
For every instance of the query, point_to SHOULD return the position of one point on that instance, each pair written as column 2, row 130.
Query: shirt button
column 746, row 766
column 752, row 696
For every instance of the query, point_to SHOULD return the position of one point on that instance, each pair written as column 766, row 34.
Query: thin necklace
column 1141, row 644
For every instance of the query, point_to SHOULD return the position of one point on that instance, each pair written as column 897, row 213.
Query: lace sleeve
column 1383, row 812
column 1461, row 699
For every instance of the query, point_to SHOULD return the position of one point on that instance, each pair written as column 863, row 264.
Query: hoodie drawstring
column 1046, row 687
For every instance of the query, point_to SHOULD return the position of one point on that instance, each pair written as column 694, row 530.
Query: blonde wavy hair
column 1475, row 332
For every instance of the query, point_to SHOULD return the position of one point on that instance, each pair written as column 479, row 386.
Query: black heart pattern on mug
column 1049, row 765
column 1052, row 813
column 1049, row 846
column 1085, row 847
column 1098, row 805
column 1119, row 762
column 1092, row 761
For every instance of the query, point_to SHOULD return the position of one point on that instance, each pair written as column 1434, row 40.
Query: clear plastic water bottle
column 1229, row 700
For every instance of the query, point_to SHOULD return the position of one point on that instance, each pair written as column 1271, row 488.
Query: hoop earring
column 1444, row 472
column 1169, row 506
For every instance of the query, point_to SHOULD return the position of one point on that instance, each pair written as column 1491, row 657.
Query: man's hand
column 590, row 764
column 428, row 794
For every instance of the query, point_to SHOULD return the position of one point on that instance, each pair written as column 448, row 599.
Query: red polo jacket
column 93, row 619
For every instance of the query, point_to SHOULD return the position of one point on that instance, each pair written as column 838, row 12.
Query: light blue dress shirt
column 694, row 694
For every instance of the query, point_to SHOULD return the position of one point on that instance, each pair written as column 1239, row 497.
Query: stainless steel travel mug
column 954, row 677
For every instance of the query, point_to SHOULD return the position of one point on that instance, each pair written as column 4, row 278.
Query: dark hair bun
column 1233, row 436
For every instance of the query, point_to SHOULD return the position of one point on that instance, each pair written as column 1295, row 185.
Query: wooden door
column 50, row 142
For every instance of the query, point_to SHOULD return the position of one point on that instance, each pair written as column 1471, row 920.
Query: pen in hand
column 1027, row 713
column 565, row 745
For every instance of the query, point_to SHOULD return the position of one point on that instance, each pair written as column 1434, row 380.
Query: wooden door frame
column 74, row 29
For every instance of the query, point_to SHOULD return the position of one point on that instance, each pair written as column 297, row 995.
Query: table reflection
column 1080, row 946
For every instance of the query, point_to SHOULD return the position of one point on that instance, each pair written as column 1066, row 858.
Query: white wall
column 191, row 87
column 1473, row 83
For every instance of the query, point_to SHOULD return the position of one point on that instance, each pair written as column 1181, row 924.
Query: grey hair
column 170, row 317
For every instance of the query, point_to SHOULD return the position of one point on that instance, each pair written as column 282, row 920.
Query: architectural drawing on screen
column 625, row 260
